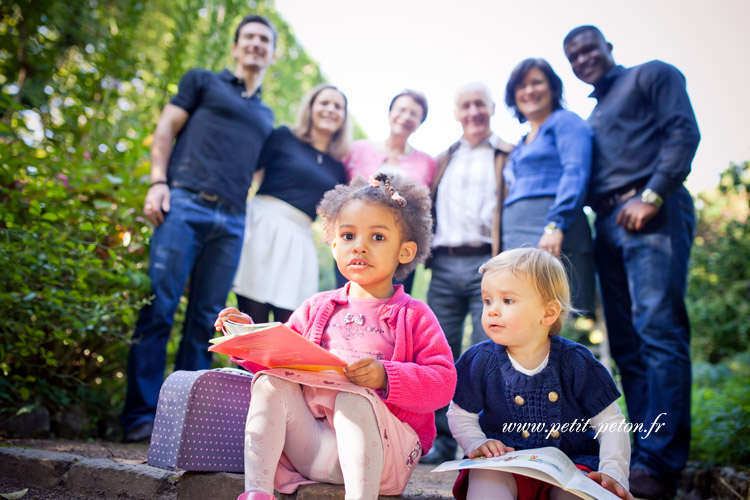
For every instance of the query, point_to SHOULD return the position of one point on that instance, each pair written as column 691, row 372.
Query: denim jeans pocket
column 656, row 224
column 178, row 196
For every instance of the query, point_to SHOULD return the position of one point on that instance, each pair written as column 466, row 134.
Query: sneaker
column 435, row 456
column 647, row 486
column 140, row 433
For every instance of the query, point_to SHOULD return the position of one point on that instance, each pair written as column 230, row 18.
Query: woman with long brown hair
column 279, row 265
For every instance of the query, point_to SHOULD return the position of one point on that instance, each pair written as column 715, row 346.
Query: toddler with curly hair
column 368, row 428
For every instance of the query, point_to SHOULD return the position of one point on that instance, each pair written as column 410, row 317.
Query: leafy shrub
column 719, row 279
column 71, row 278
column 78, row 101
column 721, row 411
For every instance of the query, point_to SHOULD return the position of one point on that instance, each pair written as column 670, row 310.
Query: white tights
column 500, row 485
column 280, row 420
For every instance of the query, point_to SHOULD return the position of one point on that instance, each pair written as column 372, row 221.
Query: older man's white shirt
column 467, row 196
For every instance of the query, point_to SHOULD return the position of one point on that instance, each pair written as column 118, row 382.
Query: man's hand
column 491, row 448
column 367, row 372
column 634, row 215
column 552, row 243
column 171, row 121
column 157, row 203
column 611, row 485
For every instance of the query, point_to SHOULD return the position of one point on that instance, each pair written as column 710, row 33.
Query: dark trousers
column 455, row 292
column 643, row 279
column 200, row 241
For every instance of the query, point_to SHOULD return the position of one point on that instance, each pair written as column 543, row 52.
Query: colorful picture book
column 274, row 345
column 546, row 464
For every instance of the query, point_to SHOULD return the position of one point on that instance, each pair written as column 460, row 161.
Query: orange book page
column 280, row 347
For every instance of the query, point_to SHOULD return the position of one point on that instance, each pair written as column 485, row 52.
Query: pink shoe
column 256, row 495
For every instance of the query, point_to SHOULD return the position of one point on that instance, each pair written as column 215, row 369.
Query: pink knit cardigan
column 421, row 375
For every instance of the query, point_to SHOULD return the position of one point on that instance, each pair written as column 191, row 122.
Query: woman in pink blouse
column 406, row 113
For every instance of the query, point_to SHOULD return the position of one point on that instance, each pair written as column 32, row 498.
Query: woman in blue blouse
column 547, row 177
column 279, row 265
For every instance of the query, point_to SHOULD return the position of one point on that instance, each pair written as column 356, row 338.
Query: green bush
column 72, row 278
column 718, row 288
column 78, row 102
column 719, row 279
column 721, row 411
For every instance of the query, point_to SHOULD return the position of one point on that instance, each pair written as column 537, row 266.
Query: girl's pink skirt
column 401, row 448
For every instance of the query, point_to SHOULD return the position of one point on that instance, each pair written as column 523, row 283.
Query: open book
column 274, row 345
column 546, row 464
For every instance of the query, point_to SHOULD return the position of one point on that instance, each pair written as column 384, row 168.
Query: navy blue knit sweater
column 571, row 389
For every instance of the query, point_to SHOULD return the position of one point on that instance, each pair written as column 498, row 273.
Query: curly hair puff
column 410, row 203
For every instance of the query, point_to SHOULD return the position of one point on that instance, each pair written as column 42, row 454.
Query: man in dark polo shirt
column 645, row 137
column 205, row 151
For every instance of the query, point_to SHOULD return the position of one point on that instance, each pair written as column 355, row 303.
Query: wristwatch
column 550, row 228
column 652, row 198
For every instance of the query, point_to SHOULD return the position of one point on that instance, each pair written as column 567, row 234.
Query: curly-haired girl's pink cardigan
column 421, row 375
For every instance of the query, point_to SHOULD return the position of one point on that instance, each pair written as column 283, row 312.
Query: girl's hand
column 367, row 372
column 491, row 448
column 231, row 313
column 611, row 485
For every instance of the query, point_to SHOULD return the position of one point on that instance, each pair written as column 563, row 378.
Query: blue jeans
column 643, row 278
column 199, row 240
column 455, row 291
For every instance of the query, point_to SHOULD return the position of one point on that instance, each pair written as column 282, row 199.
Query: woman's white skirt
column 279, row 262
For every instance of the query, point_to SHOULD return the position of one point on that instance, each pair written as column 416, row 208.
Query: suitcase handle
column 234, row 371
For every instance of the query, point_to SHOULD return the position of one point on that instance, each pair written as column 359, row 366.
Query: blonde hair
column 545, row 272
column 338, row 148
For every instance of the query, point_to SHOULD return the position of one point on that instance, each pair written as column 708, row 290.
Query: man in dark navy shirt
column 645, row 137
column 203, row 157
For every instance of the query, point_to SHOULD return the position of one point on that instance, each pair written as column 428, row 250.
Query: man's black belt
column 463, row 251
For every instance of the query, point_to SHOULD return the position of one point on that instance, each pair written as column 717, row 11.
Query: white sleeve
column 614, row 444
column 465, row 428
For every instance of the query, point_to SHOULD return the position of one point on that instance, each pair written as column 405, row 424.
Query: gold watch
column 652, row 198
column 550, row 228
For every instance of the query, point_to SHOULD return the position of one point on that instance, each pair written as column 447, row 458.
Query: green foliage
column 719, row 279
column 721, row 411
column 718, row 288
column 81, row 87
column 71, row 281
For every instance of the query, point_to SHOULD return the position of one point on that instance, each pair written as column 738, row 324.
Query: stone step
column 130, row 480
column 88, row 478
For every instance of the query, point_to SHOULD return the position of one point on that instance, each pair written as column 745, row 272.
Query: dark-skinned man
column 645, row 137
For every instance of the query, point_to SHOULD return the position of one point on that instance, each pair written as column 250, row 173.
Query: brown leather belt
column 211, row 198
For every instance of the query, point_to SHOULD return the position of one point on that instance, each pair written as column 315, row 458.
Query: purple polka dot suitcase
column 200, row 421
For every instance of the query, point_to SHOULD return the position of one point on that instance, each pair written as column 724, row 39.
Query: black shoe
column 140, row 433
column 645, row 485
column 435, row 456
